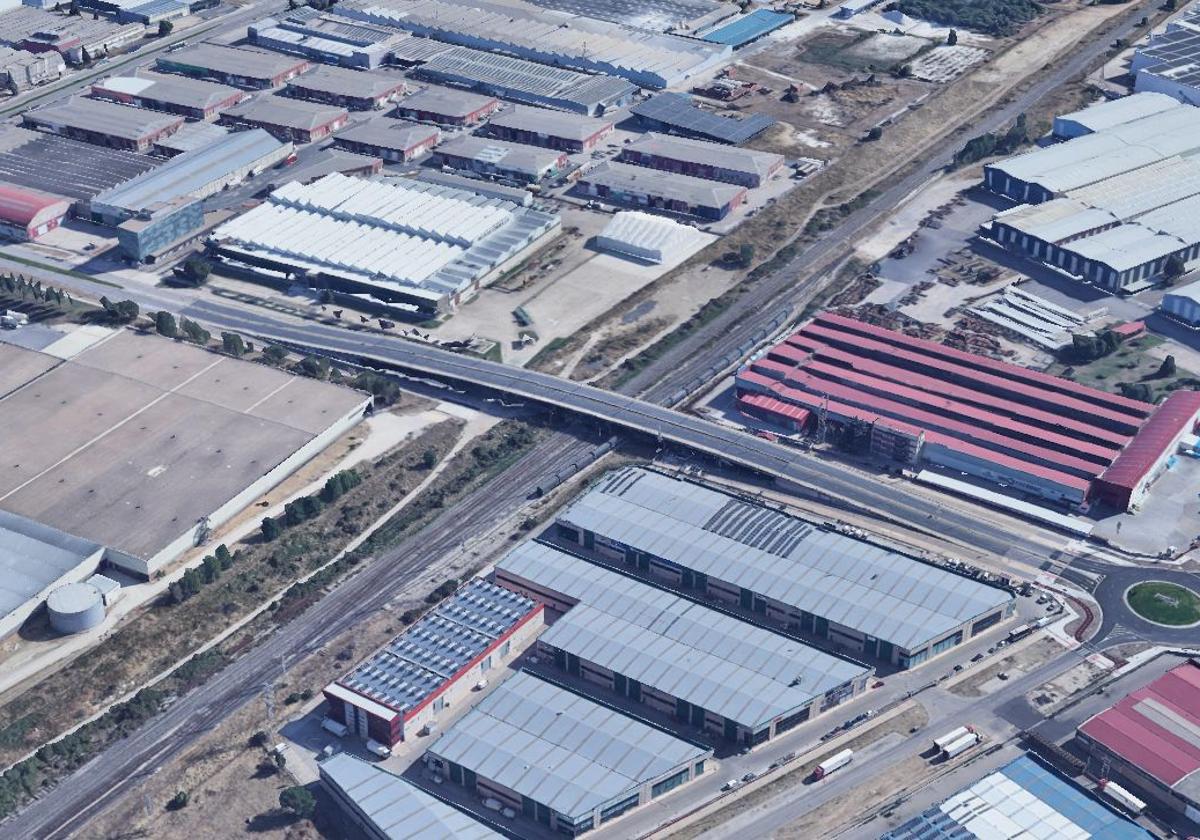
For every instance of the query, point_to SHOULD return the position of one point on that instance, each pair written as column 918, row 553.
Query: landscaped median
column 1165, row 603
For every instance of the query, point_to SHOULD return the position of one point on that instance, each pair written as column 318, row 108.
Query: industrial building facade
column 392, row 140
column 103, row 123
column 403, row 688
column 1170, row 63
column 847, row 593
column 26, row 214
column 551, row 129
column 356, row 90
column 681, row 659
column 325, row 38
column 913, row 400
column 511, row 161
column 192, row 98
column 289, row 120
column 701, row 159
column 638, row 186
column 443, row 106
column 1151, row 739
column 244, row 67
column 561, row 759
column 1183, row 304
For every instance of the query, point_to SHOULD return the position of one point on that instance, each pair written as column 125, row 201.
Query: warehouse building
column 917, row 401
column 35, row 561
column 676, row 113
column 414, row 247
column 403, row 688
column 552, row 129
column 700, row 159
column 56, row 165
column 1170, row 62
column 21, row 70
column 1109, row 113
column 244, row 67
column 189, row 138
column 637, row 186
column 847, row 592
column 648, row 238
column 748, row 28
column 26, row 214
column 510, row 161
column 357, row 90
column 1023, row 799
column 384, row 806
column 161, row 230
column 1122, row 234
column 103, row 123
column 326, row 38
column 655, row 15
column 1150, row 741
column 524, row 81
column 1053, row 171
column 213, row 434
column 395, row 141
column 80, row 39
column 198, row 174
column 561, row 759
column 684, row 660
column 489, row 189
column 288, row 120
column 191, row 98
column 521, row 29
column 443, row 106
column 1183, row 304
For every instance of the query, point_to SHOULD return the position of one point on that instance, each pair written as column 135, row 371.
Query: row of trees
column 992, row 17
column 26, row 289
column 195, row 579
column 301, row 510
column 166, row 325
column 992, row 143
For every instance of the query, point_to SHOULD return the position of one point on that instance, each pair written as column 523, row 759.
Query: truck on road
column 835, row 762
column 960, row 745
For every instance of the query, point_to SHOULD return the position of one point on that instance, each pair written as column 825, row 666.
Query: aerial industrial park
column 431, row 419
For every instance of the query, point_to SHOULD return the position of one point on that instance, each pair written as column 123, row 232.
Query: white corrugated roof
column 1114, row 112
column 649, row 237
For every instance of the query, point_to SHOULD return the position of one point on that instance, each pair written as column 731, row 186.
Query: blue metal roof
column 156, row 7
column 1042, row 806
column 190, row 171
column 676, row 111
column 748, row 28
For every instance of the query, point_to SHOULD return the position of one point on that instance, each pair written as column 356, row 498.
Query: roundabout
column 1164, row 603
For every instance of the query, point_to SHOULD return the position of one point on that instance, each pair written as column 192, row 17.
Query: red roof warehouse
column 1152, row 739
column 1041, row 434
column 27, row 214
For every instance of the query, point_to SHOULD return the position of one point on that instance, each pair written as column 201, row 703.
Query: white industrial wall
column 1181, row 307
column 1151, row 82
column 942, row 456
column 87, row 567
column 148, row 568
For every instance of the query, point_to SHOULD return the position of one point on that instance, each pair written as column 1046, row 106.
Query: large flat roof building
column 917, row 400
column 1151, row 739
column 178, row 440
column 855, row 594
column 245, row 67
column 681, row 659
column 519, row 80
column 408, row 244
column 192, row 98
column 22, row 70
column 198, row 173
column 511, row 161
column 676, row 113
column 403, row 687
column 558, row 39
column 385, row 806
column 391, row 140
column 358, row 90
column 291, row 120
column 26, row 214
column 1170, row 63
column 60, row 166
column 1109, row 113
column 1023, row 800
column 561, row 759
column 552, row 129
column 103, row 123
column 701, row 159
column 639, row 186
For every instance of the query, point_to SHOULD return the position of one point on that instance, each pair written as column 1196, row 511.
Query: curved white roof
column 645, row 236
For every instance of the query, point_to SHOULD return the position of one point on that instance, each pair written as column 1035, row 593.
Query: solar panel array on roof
column 675, row 111
column 731, row 668
column 560, row 749
column 394, row 807
column 856, row 584
column 439, row 645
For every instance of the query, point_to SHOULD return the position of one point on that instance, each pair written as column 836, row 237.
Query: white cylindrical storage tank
column 75, row 607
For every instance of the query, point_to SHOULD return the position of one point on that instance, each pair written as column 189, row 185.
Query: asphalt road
column 122, row 767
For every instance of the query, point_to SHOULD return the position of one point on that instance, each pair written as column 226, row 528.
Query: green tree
column 429, row 459
column 271, row 529
column 274, row 354
column 165, row 28
column 232, row 344
column 178, row 801
column 164, row 323
column 315, row 366
column 193, row 331
column 259, row 739
column 298, row 801
column 1174, row 268
column 210, row 570
column 746, row 255
column 1110, row 340
column 224, row 557
column 875, row 133
column 1137, row 391
column 1167, row 368
column 952, row 38
column 195, row 271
